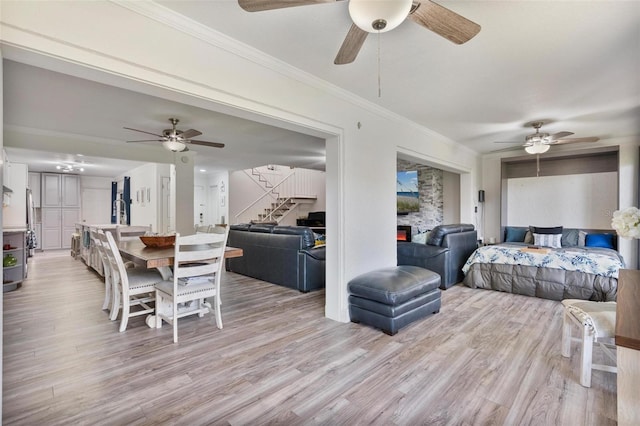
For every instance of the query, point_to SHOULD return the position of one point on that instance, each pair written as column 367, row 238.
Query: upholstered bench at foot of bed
column 392, row 298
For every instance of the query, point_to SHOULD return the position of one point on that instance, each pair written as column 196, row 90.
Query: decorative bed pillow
column 551, row 230
column 515, row 235
column 599, row 240
column 569, row 237
column 547, row 240
column 582, row 237
column 528, row 237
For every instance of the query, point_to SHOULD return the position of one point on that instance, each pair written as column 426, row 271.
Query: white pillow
column 548, row 240
column 420, row 238
column 582, row 236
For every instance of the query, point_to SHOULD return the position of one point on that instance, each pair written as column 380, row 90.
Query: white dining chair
column 100, row 244
column 131, row 233
column 197, row 269
column 202, row 229
column 131, row 286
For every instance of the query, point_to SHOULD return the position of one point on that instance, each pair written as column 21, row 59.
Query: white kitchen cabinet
column 60, row 209
column 58, row 190
column 57, row 227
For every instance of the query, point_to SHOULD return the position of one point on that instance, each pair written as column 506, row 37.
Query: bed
column 574, row 269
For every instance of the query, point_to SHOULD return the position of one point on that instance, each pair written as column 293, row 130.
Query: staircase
column 277, row 202
column 281, row 208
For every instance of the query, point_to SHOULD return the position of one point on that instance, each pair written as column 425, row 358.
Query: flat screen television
column 407, row 191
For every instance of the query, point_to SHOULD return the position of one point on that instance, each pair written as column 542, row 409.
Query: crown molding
column 186, row 25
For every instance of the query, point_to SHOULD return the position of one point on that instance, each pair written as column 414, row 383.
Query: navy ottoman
column 391, row 298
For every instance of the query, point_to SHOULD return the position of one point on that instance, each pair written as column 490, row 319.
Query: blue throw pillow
column 599, row 240
column 515, row 235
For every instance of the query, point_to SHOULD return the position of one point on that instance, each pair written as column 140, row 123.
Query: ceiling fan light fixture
column 379, row 15
column 537, row 148
column 174, row 146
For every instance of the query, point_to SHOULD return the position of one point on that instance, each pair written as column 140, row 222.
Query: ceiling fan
column 176, row 140
column 370, row 16
column 540, row 142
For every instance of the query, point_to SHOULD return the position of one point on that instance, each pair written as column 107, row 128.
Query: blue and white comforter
column 591, row 260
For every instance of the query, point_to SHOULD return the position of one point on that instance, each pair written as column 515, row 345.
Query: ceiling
column 87, row 113
column 572, row 64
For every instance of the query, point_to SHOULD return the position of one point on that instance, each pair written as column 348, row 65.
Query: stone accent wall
column 430, row 185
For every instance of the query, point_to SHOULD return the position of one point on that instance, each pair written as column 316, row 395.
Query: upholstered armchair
column 446, row 250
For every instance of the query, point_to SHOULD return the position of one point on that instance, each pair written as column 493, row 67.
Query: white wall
column 360, row 158
column 573, row 201
column 144, row 195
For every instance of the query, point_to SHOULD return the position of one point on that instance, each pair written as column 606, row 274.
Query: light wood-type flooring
column 487, row 358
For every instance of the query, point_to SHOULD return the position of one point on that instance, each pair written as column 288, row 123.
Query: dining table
column 162, row 259
column 158, row 257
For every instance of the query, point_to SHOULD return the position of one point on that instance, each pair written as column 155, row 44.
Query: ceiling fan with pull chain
column 176, row 140
column 540, row 142
column 370, row 16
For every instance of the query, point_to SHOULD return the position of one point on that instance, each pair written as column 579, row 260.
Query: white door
column 200, row 205
column 213, row 210
column 96, row 205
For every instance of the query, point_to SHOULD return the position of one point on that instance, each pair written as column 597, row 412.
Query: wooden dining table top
column 154, row 257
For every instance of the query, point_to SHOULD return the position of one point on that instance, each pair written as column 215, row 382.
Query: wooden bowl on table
column 158, row 241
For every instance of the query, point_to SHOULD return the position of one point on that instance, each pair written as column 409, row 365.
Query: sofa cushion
column 308, row 237
column 438, row 233
column 240, row 227
column 265, row 228
column 318, row 253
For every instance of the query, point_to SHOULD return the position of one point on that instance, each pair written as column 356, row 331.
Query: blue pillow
column 515, row 235
column 599, row 240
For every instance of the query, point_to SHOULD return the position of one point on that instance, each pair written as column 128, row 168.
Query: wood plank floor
column 487, row 358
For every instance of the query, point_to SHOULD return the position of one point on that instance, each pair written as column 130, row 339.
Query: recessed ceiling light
column 203, row 170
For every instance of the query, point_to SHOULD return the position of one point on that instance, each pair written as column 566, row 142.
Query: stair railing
column 270, row 193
